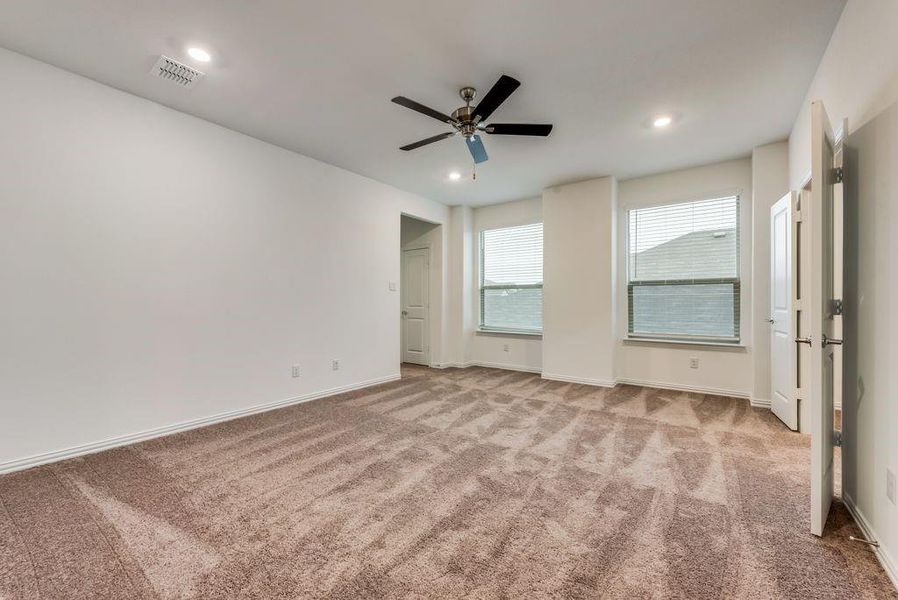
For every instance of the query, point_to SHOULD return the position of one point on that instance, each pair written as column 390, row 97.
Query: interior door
column 819, row 217
column 415, row 286
column 783, row 355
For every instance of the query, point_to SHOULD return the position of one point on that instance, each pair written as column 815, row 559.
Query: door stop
column 873, row 543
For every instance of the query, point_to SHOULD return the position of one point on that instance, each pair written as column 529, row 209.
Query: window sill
column 737, row 347
column 510, row 332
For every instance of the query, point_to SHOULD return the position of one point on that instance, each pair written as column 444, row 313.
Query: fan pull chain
column 474, row 173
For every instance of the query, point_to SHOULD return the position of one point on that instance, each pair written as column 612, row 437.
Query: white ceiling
column 317, row 77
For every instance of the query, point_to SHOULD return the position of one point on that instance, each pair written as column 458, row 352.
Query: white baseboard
column 507, row 367
column 132, row 438
column 759, row 402
column 491, row 365
column 451, row 365
column 608, row 383
column 686, row 388
column 885, row 558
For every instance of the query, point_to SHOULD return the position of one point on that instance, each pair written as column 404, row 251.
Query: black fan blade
column 498, row 94
column 518, row 129
column 478, row 152
column 429, row 140
column 403, row 101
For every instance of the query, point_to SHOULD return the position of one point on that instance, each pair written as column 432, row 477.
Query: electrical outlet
column 392, row 286
column 295, row 371
column 693, row 362
column 505, row 347
column 335, row 365
column 890, row 485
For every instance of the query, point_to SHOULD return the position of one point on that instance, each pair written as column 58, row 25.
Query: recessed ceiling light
column 454, row 176
column 662, row 121
column 199, row 54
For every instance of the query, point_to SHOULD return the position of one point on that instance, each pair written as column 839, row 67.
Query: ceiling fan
column 469, row 121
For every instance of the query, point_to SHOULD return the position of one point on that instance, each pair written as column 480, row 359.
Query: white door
column 783, row 355
column 818, row 216
column 415, row 285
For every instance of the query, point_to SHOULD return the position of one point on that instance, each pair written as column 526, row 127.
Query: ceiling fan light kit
column 470, row 121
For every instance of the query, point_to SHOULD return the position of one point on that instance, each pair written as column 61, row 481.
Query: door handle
column 805, row 340
column 771, row 321
column 405, row 313
column 831, row 342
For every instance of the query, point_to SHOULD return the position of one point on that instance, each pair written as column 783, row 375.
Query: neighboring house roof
column 675, row 259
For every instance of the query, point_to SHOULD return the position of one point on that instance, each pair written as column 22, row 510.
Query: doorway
column 418, row 241
column 415, row 304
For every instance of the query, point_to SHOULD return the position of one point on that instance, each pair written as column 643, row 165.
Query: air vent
column 172, row 70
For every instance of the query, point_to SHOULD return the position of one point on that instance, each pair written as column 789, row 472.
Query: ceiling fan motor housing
column 466, row 125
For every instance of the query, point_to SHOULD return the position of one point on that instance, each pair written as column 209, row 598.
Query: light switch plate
column 392, row 286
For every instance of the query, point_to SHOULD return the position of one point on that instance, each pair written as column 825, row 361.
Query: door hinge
column 838, row 175
column 837, row 438
column 836, row 306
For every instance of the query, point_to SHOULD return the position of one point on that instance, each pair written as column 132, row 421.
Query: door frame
column 427, row 330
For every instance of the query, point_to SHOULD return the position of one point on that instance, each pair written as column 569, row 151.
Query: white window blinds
column 511, row 278
column 683, row 270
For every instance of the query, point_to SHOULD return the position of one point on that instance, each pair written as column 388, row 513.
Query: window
column 683, row 270
column 511, row 279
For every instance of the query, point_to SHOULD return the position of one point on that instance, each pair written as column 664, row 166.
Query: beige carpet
column 470, row 483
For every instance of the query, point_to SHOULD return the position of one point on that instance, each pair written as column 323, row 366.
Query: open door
column 783, row 296
column 821, row 306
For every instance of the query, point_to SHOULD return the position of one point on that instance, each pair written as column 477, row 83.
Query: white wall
column 721, row 370
column 579, row 222
column 460, row 311
column 157, row 268
column 415, row 231
column 856, row 79
column 770, row 182
column 523, row 352
column 870, row 402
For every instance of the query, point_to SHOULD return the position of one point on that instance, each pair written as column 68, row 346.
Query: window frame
column 736, row 282
column 481, row 287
